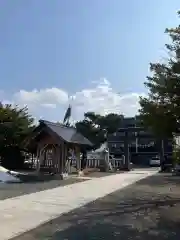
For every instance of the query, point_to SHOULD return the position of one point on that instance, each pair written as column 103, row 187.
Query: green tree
column 15, row 125
column 95, row 127
column 160, row 110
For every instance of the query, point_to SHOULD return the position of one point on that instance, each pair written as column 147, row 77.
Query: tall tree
column 95, row 127
column 160, row 110
column 15, row 125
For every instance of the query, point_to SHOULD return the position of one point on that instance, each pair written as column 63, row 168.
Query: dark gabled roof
column 68, row 134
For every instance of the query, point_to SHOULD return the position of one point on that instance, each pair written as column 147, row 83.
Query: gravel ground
column 9, row 190
column 148, row 209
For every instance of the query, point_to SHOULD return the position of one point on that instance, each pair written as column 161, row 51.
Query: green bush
column 12, row 158
column 15, row 126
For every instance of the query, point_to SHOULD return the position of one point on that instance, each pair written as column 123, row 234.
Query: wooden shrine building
column 54, row 142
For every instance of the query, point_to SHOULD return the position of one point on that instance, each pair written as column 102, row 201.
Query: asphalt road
column 148, row 209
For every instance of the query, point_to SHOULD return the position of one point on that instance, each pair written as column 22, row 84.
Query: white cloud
column 103, row 99
column 50, row 103
column 42, row 96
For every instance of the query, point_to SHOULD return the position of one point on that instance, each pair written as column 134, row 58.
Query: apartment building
column 141, row 141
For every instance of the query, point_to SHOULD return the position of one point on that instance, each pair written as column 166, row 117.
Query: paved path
column 26, row 212
column 148, row 209
column 11, row 190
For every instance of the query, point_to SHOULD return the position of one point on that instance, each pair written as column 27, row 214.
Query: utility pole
column 136, row 135
column 126, row 151
column 161, row 146
column 136, row 142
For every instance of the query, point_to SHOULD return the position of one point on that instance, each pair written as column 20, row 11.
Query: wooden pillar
column 47, row 157
column 40, row 155
column 62, row 157
column 77, row 154
column 65, row 152
column 84, row 160
column 67, row 162
column 54, row 158
column 37, row 159
column 58, row 167
column 62, row 161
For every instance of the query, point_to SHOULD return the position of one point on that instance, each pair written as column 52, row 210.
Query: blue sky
column 69, row 44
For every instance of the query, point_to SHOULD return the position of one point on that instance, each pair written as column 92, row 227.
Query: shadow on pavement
column 141, row 211
column 128, row 221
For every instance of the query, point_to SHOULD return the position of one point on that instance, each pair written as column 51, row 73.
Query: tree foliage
column 15, row 125
column 95, row 126
column 160, row 110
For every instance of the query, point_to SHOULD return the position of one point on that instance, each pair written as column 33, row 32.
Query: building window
column 131, row 125
column 132, row 134
column 120, row 134
column 114, row 145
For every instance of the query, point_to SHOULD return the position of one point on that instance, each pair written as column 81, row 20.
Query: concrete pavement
column 26, row 212
column 148, row 209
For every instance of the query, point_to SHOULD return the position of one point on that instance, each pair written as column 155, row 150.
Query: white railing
column 116, row 163
column 93, row 163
